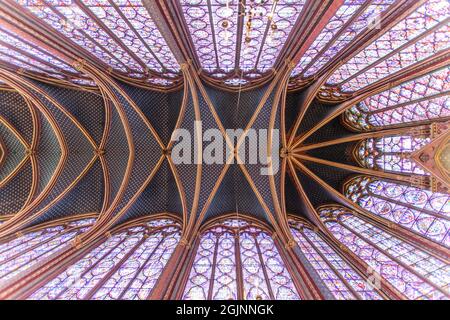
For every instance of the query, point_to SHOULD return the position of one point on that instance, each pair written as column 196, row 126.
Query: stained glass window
column 24, row 252
column 340, row 278
column 420, row 35
column 237, row 260
column 424, row 98
column 415, row 273
column 120, row 33
column 350, row 19
column 125, row 266
column 391, row 153
column 213, row 27
column 264, row 28
column 424, row 212
column 277, row 18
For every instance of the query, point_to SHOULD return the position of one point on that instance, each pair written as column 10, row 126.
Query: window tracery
column 349, row 20
column 419, row 100
column 119, row 33
column 420, row 35
column 226, row 45
column 391, row 153
column 424, row 212
column 338, row 275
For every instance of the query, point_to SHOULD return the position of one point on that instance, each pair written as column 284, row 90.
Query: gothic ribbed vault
column 92, row 93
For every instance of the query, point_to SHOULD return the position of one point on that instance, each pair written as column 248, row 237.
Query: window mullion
column 91, row 267
column 393, row 52
column 407, row 205
column 263, row 267
column 344, row 28
column 404, row 104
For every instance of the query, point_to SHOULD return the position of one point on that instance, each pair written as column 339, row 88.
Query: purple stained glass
column 84, row 82
column 435, row 42
column 71, row 21
column 424, row 212
column 280, row 280
column 391, row 153
column 28, row 250
column 345, row 12
column 348, row 285
column 125, row 266
column 20, row 60
column 414, row 112
column 428, row 85
column 119, row 33
column 413, row 272
column 131, row 23
column 284, row 15
column 198, row 284
column 254, row 282
column 421, row 99
column 139, row 273
column 76, row 274
column 225, row 285
column 214, row 271
column 213, row 27
column 214, row 30
column 22, row 45
column 369, row 15
column 403, row 45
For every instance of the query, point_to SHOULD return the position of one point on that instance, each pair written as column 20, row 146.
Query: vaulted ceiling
column 93, row 90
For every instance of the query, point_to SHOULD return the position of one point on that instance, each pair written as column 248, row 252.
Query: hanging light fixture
column 257, row 10
column 228, row 12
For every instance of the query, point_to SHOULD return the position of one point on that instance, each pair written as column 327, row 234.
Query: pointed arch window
column 424, row 212
column 344, row 282
column 22, row 253
column 20, row 53
column 231, row 35
column 121, row 34
column 238, row 260
column 391, row 153
column 268, row 36
column 414, row 273
column 419, row 36
column 419, row 100
column 125, row 266
column 350, row 19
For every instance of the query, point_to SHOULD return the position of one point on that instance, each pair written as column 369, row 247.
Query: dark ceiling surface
column 162, row 110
